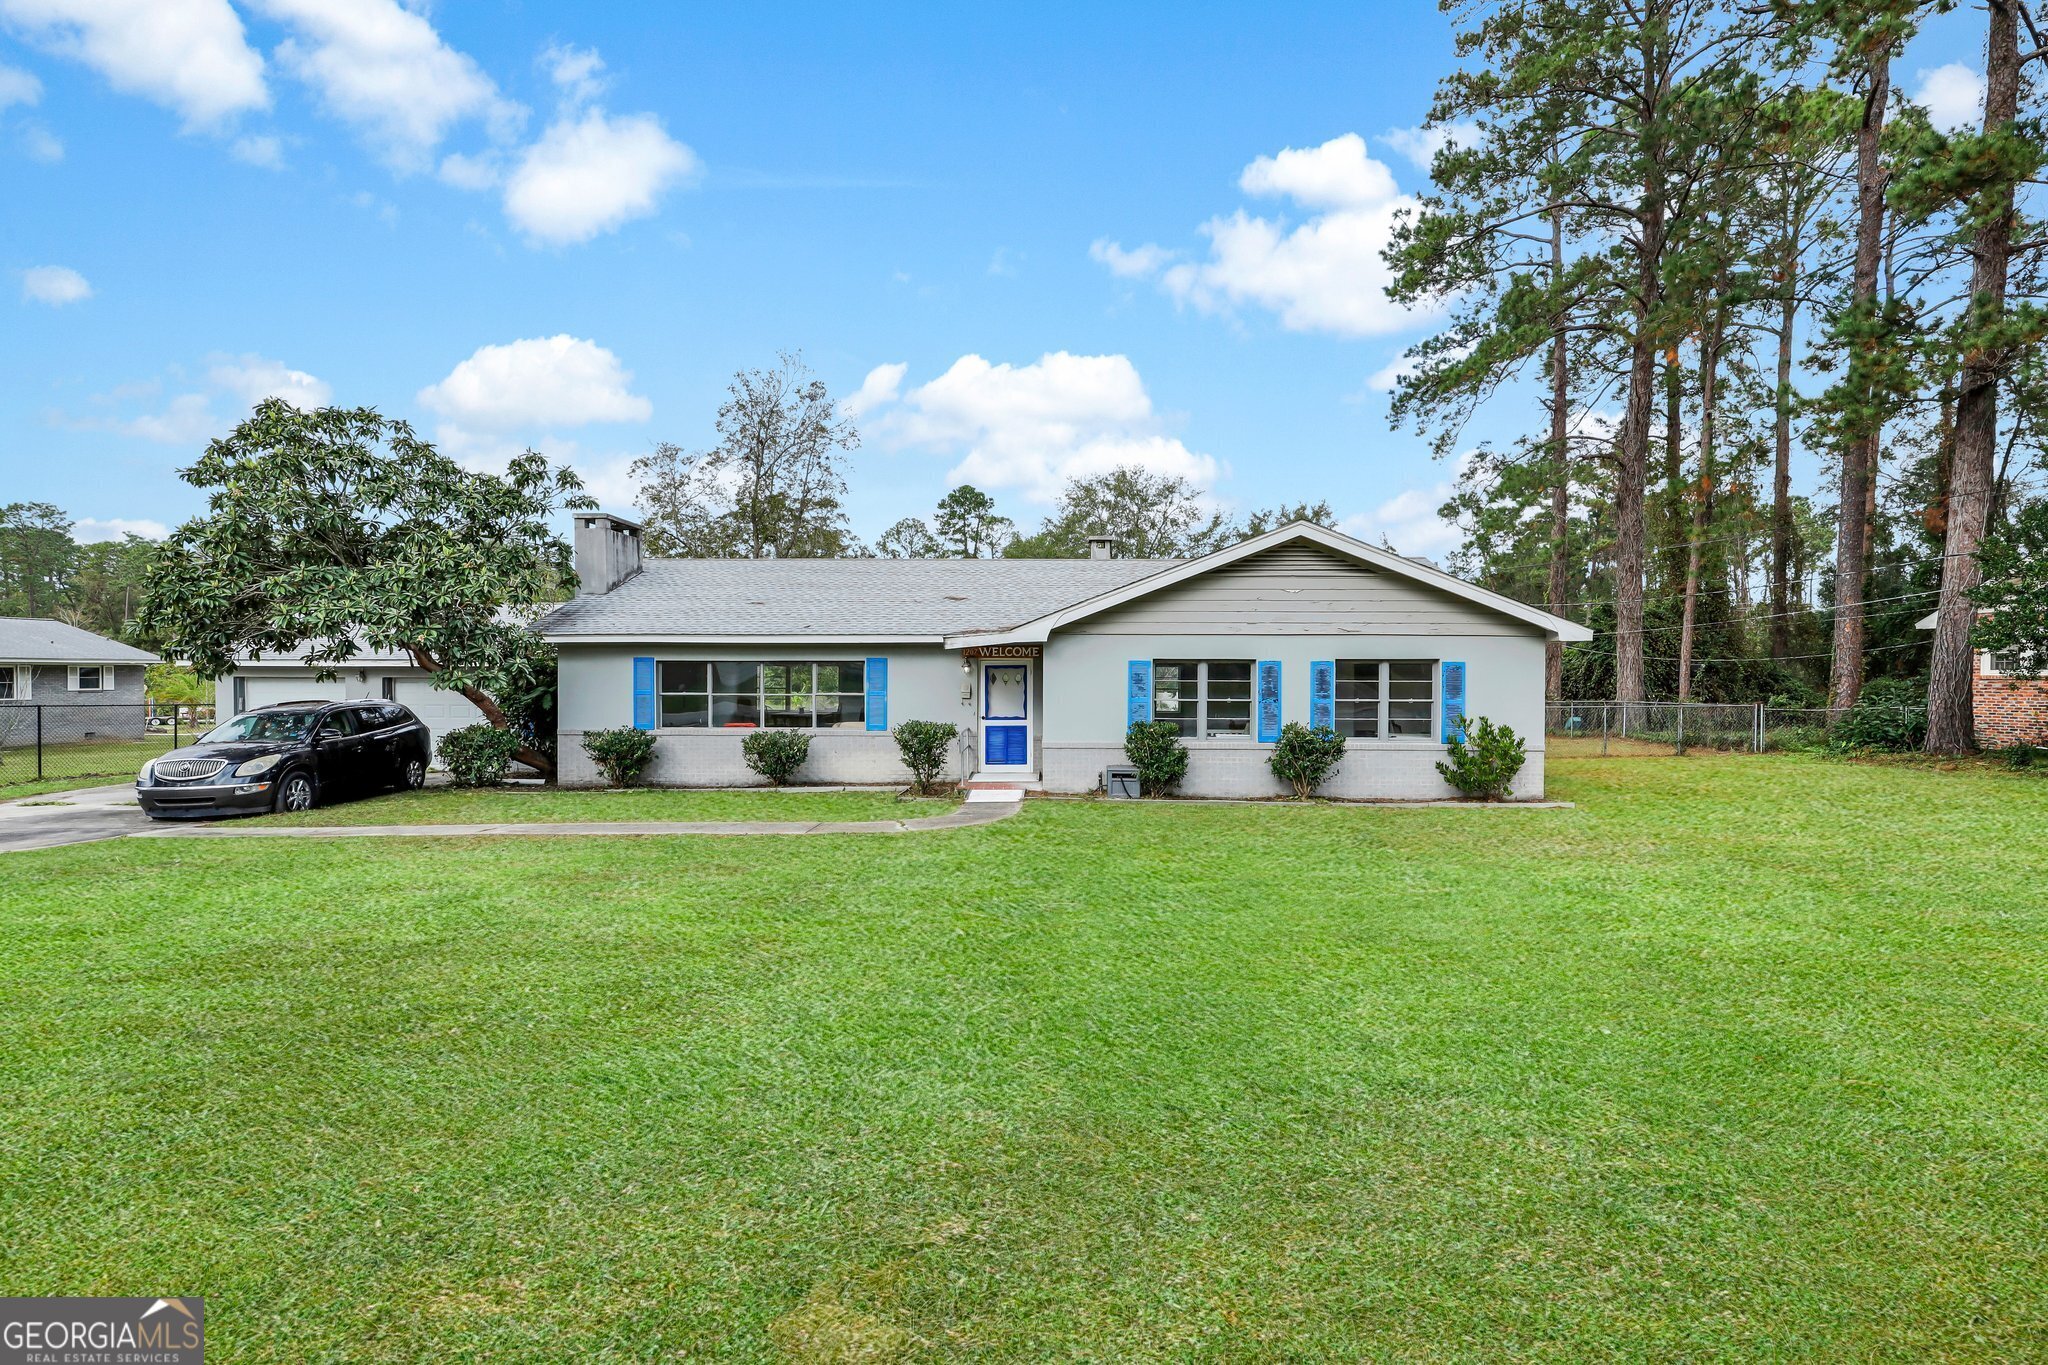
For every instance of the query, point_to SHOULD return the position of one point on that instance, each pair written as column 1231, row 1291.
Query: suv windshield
column 273, row 725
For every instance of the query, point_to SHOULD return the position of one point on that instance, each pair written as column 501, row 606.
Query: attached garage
column 269, row 681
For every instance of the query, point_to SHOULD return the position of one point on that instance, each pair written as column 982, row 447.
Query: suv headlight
column 256, row 766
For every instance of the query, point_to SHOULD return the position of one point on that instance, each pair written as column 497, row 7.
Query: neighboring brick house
column 84, row 686
column 2009, row 710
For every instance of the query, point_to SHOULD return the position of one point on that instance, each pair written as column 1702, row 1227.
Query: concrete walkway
column 82, row 815
column 979, row 813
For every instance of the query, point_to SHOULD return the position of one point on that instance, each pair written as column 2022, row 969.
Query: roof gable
column 1368, row 557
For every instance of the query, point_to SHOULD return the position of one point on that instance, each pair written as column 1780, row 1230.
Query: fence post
column 39, row 744
column 1606, row 717
column 1757, row 729
column 1681, row 729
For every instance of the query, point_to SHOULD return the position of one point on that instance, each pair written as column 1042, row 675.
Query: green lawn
column 69, row 766
column 1743, row 1058
column 453, row 806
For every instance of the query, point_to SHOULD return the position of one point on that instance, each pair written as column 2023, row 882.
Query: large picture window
column 1386, row 698
column 748, row 696
column 1208, row 699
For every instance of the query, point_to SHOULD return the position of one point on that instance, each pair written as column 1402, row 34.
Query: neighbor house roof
column 952, row 601
column 26, row 640
column 851, row 599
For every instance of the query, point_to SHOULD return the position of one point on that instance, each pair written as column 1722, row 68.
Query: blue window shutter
column 1138, row 698
column 1454, row 702
column 1269, row 701
column 878, row 694
column 643, row 694
column 1322, row 695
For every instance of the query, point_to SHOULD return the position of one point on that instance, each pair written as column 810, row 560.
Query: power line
column 1753, row 659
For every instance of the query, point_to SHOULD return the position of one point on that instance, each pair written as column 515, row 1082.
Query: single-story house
column 98, row 683
column 268, row 679
column 1044, row 664
column 2008, row 708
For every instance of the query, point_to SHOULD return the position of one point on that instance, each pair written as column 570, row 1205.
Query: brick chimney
column 607, row 552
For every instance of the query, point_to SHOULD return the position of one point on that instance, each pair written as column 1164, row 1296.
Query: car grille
column 187, row 769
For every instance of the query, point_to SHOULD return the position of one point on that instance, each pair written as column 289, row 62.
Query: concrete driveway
column 73, row 817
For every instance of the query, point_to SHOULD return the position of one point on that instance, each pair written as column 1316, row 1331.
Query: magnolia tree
column 331, row 532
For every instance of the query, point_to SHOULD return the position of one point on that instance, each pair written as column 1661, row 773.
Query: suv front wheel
column 296, row 792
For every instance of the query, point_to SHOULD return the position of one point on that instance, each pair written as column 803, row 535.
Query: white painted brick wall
column 1402, row 773
column 714, row 759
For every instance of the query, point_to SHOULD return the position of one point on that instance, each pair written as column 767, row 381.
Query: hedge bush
column 1890, row 715
column 1155, row 750
column 925, row 745
column 478, row 755
column 1483, row 758
column 1305, row 758
column 621, row 754
column 776, row 754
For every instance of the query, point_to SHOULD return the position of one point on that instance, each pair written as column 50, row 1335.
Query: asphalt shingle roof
column 794, row 598
column 26, row 640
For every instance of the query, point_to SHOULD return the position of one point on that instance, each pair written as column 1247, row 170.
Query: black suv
column 288, row 757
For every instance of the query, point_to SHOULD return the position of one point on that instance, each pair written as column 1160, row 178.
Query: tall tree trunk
column 1560, row 475
column 1673, row 572
column 1781, row 471
column 1702, row 506
column 1631, row 461
column 1852, row 565
column 1951, row 726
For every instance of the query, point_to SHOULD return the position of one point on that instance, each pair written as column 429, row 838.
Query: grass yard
column 1743, row 1058
column 67, row 767
column 507, row 805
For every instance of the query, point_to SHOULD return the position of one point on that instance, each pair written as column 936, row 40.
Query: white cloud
column 1336, row 175
column 578, row 71
column 251, row 378
column 1032, row 427
column 18, row 86
column 882, row 385
column 383, row 68
column 55, row 285
column 189, row 418
column 1952, row 95
column 541, row 381
column 1420, row 145
column 1323, row 275
column 1130, row 263
column 1387, row 376
column 41, row 144
column 590, row 173
column 465, row 172
column 1408, row 521
column 265, row 151
column 89, row 530
column 187, row 55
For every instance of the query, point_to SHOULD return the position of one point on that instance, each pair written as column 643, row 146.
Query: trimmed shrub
column 2022, row 756
column 1890, row 715
column 776, row 754
column 924, row 745
column 1305, row 758
column 1155, row 750
column 478, row 755
column 1483, row 758
column 621, row 754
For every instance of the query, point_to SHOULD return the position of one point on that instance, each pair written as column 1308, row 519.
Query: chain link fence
column 1649, row 729
column 45, row 746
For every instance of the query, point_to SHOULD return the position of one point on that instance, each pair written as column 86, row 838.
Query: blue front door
column 1006, row 716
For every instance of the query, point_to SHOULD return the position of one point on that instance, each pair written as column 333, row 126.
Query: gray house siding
column 1300, row 590
column 597, row 694
column 1085, row 708
column 71, row 717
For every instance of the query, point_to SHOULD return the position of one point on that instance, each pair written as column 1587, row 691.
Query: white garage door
column 440, row 711
column 270, row 691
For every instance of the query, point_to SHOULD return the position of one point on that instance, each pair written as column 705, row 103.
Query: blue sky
column 1033, row 243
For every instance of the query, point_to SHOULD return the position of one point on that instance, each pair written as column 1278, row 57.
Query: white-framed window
column 92, row 678
column 1999, row 665
column 737, row 695
column 14, row 682
column 1206, row 698
column 1386, row 698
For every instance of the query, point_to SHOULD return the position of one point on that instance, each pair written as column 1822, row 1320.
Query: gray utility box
column 1120, row 783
